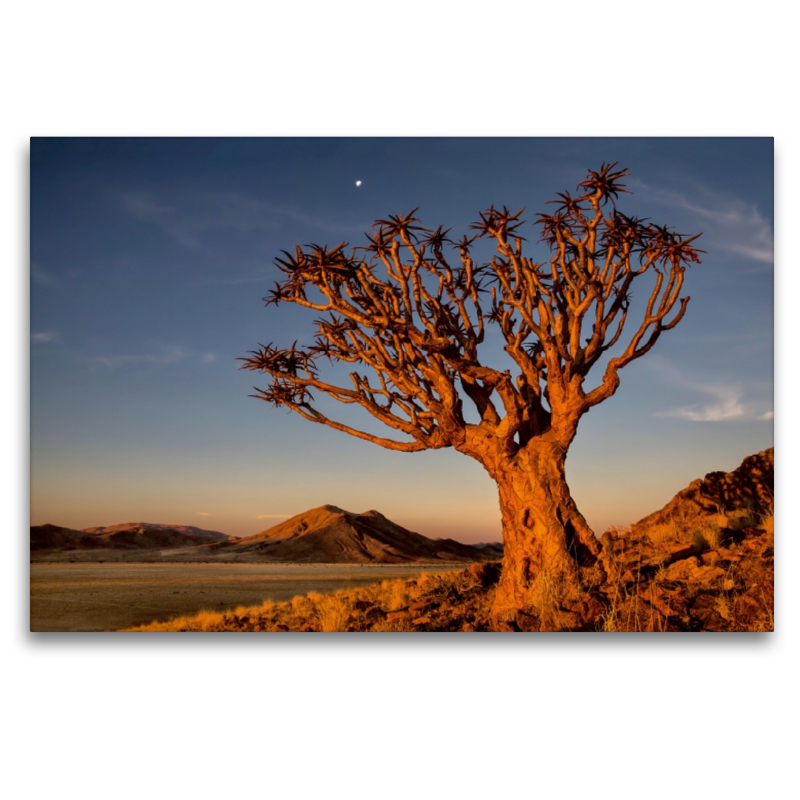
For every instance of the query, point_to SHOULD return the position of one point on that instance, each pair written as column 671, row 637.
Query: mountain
column 489, row 547
column 52, row 537
column 198, row 534
column 125, row 536
column 329, row 534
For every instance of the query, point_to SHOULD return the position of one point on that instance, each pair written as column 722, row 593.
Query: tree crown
column 413, row 306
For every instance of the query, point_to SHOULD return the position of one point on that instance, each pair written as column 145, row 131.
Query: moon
column 358, row 183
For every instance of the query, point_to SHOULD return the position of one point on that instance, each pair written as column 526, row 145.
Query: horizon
column 149, row 259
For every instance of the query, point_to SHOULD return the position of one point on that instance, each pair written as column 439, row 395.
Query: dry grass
column 448, row 601
column 714, row 574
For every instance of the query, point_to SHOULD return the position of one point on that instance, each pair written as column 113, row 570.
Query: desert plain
column 112, row 596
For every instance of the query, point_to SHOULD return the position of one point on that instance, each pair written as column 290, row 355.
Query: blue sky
column 149, row 258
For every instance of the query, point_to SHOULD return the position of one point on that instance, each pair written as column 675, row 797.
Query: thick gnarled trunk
column 550, row 551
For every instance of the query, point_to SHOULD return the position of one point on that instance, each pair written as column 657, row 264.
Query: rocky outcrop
column 704, row 562
column 751, row 486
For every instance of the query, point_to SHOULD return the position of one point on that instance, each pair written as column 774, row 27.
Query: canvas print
column 517, row 385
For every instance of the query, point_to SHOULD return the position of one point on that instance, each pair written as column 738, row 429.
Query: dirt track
column 102, row 597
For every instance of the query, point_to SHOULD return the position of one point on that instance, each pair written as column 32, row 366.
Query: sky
column 149, row 259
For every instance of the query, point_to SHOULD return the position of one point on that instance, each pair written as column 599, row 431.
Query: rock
column 710, row 558
column 704, row 611
column 421, row 607
column 756, row 604
column 421, row 621
column 747, row 608
column 398, row 616
column 669, row 602
column 680, row 551
column 527, row 621
column 565, row 621
column 708, row 575
column 752, row 544
column 690, row 570
column 589, row 611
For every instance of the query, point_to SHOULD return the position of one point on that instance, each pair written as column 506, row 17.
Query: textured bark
column 549, row 548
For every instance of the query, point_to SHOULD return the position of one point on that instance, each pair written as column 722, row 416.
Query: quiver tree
column 410, row 309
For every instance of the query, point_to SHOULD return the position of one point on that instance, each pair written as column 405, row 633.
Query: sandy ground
column 102, row 597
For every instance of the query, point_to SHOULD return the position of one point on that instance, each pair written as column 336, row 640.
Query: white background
column 420, row 716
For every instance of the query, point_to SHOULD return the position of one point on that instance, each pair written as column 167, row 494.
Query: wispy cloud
column 728, row 224
column 166, row 354
column 45, row 337
column 170, row 354
column 726, row 405
column 203, row 513
column 725, row 401
column 273, row 516
column 43, row 277
column 186, row 218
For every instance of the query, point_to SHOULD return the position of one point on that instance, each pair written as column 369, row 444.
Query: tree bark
column 550, row 553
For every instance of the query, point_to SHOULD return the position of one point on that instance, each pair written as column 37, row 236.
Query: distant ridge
column 188, row 530
column 496, row 547
column 125, row 536
column 329, row 534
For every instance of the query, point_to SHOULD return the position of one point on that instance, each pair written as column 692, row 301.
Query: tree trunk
column 550, row 552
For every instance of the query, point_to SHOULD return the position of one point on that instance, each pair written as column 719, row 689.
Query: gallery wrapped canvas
column 515, row 302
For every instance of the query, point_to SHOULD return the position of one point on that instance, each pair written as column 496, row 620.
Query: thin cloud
column 726, row 406
column 43, row 277
column 729, row 224
column 186, row 218
column 726, row 401
column 203, row 513
column 273, row 516
column 170, row 354
column 45, row 337
column 721, row 401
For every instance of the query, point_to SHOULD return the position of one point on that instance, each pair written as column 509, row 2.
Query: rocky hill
column 749, row 488
column 704, row 562
column 329, row 534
